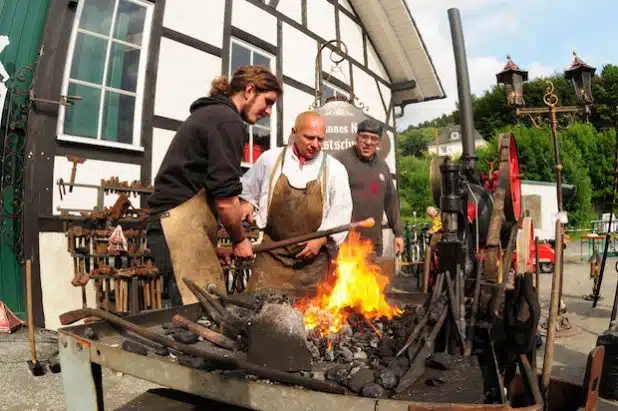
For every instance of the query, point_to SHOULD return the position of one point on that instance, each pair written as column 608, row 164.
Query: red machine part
column 514, row 191
column 512, row 203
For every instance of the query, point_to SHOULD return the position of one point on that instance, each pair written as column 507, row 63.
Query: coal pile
column 363, row 356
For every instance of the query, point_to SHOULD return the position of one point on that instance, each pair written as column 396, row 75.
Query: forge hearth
column 364, row 357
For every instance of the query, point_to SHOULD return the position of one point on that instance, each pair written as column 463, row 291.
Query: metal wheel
column 512, row 203
column 547, row 267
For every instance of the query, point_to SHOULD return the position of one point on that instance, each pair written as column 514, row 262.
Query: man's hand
column 398, row 246
column 243, row 250
column 246, row 211
column 312, row 248
column 224, row 255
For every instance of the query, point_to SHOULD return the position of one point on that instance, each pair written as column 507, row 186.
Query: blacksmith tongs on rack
column 237, row 275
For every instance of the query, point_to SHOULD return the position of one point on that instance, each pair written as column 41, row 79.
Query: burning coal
column 357, row 286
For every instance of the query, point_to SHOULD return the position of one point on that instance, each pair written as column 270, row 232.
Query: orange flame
column 358, row 287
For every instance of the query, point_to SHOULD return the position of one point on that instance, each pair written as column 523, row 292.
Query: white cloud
column 479, row 20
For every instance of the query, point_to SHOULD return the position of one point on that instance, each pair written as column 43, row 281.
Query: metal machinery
column 487, row 249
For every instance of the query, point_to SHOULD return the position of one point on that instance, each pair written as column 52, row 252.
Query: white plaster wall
column 59, row 295
column 199, row 19
column 298, row 55
column 174, row 96
column 374, row 62
column 549, row 208
column 339, row 71
column 90, row 172
column 352, row 36
column 161, row 140
column 366, row 89
column 321, row 19
column 386, row 94
column 292, row 9
column 294, row 103
column 346, row 5
column 254, row 20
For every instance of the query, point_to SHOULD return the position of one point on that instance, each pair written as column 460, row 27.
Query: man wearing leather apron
column 373, row 191
column 295, row 190
column 199, row 181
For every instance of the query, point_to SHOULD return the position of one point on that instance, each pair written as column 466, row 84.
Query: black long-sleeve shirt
column 373, row 193
column 205, row 152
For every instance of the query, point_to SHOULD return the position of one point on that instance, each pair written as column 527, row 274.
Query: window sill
column 101, row 143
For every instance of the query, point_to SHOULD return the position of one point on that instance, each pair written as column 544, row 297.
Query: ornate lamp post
column 581, row 74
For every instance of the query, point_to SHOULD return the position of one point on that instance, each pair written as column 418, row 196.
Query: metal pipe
column 608, row 235
column 553, row 311
column 463, row 89
column 612, row 318
column 537, row 268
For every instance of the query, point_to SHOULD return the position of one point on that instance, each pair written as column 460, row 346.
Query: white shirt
column 337, row 208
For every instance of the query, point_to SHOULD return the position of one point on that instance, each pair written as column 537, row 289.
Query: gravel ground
column 19, row 391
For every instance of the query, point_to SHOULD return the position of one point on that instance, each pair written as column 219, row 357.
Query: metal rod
column 557, row 164
column 537, row 268
column 223, row 360
column 612, row 318
column 553, row 312
column 212, row 288
column 608, row 235
column 463, row 89
column 259, row 248
column 475, row 307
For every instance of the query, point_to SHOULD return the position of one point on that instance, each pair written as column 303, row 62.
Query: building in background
column 116, row 78
column 540, row 200
column 449, row 142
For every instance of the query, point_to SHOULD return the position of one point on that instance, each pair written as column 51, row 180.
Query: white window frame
column 338, row 91
column 141, row 77
column 273, row 116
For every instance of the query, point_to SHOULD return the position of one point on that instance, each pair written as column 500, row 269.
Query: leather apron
column 292, row 212
column 190, row 231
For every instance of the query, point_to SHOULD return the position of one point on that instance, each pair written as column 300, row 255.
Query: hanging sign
column 342, row 119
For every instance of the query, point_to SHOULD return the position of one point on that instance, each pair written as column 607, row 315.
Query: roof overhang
column 400, row 46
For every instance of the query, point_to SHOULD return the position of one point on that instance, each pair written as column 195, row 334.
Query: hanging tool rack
column 125, row 279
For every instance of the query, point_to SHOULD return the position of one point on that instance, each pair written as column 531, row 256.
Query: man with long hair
column 199, row 180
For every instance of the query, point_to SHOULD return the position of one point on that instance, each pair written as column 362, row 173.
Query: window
column 106, row 66
column 260, row 135
column 455, row 135
column 443, row 150
column 328, row 90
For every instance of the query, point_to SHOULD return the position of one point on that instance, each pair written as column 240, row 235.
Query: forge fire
column 356, row 286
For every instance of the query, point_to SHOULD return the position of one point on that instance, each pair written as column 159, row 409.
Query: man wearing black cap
column 373, row 191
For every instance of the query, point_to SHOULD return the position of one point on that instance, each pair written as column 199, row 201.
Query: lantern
column 581, row 75
column 513, row 78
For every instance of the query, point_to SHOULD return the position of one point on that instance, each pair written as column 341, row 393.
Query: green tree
column 414, row 141
column 414, row 191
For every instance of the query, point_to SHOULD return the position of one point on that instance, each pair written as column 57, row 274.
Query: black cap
column 370, row 126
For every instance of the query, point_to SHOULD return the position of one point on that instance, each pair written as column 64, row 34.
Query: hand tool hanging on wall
column 34, row 365
column 222, row 360
column 75, row 160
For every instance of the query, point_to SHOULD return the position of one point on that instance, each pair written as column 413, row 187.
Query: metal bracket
column 66, row 101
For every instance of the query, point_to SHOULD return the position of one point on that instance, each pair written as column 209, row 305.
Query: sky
column 539, row 35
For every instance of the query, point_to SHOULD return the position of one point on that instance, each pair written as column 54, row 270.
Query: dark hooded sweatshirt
column 205, row 152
